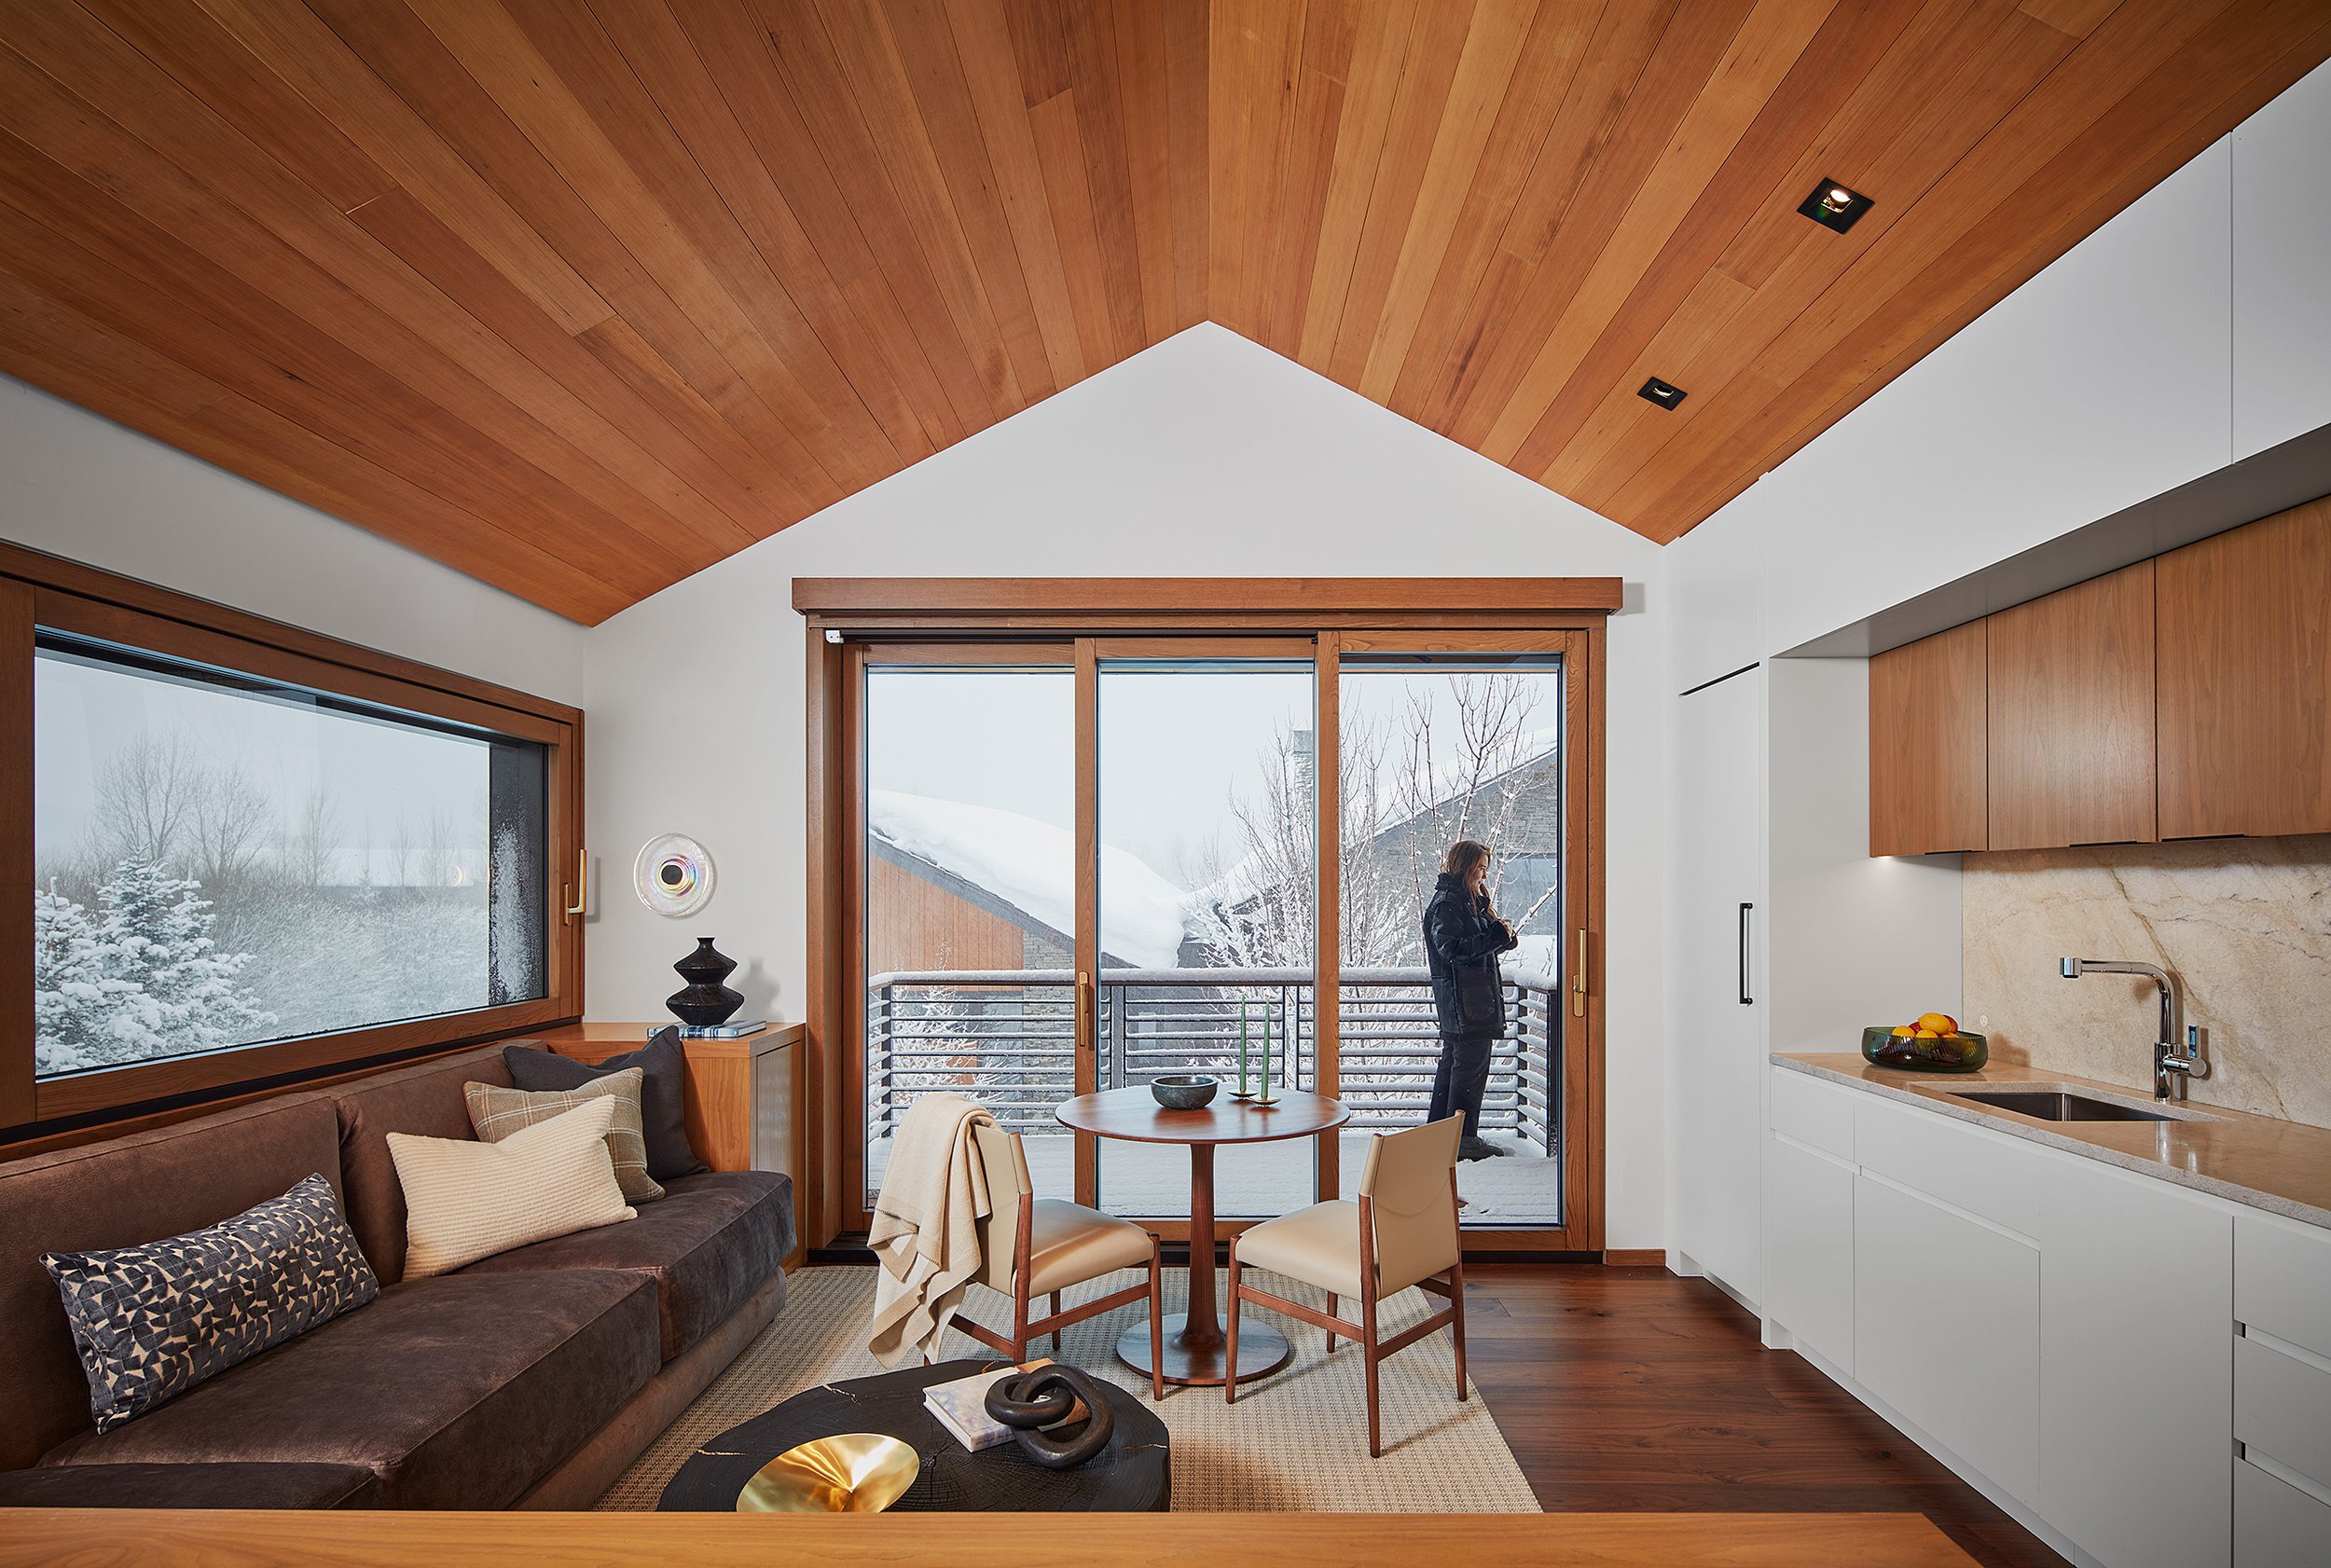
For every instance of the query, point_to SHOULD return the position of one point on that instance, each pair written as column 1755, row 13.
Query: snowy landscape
column 217, row 870
column 1208, row 902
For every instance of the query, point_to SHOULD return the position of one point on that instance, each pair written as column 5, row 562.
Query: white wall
column 2282, row 210
column 1205, row 456
column 1854, row 940
column 80, row 486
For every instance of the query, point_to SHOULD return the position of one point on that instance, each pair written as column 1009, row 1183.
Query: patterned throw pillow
column 152, row 1321
column 497, row 1113
column 466, row 1199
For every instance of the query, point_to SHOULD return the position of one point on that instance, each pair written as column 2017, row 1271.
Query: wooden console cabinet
column 744, row 1095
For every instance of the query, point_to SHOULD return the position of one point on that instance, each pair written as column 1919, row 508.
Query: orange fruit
column 1937, row 1023
column 1904, row 1031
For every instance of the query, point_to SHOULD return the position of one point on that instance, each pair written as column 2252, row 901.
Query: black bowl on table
column 1183, row 1090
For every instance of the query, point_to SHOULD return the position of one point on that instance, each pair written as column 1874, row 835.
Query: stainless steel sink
column 2061, row 1105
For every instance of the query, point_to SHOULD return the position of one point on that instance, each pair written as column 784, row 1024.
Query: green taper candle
column 1242, row 1047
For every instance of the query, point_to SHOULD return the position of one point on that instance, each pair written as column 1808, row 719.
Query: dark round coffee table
column 1134, row 1474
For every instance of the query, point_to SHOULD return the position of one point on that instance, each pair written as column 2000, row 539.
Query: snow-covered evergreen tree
column 143, row 981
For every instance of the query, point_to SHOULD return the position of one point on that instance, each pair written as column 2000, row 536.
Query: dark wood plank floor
column 1625, row 1389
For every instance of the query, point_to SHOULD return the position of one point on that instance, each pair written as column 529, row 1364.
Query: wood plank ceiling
column 581, row 295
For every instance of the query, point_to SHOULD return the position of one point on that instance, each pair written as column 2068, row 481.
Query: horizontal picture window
column 223, row 861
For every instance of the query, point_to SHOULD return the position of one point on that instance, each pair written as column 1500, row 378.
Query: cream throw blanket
column 925, row 1232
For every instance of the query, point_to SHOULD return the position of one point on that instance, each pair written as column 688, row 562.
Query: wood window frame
column 1339, row 616
column 42, row 592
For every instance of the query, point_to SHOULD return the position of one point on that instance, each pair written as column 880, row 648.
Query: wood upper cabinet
column 1927, row 744
column 2071, row 716
column 2245, row 685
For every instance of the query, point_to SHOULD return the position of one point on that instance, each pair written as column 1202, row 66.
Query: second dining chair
column 1402, row 1231
column 1032, row 1246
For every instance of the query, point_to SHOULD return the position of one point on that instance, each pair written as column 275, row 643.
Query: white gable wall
column 1205, row 456
column 78, row 486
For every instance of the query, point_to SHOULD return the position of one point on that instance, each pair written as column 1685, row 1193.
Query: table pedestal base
column 1200, row 1359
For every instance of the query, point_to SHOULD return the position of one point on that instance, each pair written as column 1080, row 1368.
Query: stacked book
column 711, row 1031
column 961, row 1407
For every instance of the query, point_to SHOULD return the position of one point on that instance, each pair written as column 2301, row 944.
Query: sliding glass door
column 1436, row 747
column 1207, row 795
column 967, row 883
column 1088, row 862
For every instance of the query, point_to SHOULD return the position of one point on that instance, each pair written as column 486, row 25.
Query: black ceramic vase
column 704, row 1000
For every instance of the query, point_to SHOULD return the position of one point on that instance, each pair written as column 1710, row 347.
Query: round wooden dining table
column 1194, row 1342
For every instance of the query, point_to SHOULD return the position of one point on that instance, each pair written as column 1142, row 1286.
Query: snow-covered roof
column 1031, row 866
column 1394, row 809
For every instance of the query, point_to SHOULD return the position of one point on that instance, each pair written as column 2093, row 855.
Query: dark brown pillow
column 662, row 1097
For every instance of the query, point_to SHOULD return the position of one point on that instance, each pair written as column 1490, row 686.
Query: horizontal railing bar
column 1184, row 979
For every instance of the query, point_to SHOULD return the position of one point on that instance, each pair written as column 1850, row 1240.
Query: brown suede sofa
column 529, row 1379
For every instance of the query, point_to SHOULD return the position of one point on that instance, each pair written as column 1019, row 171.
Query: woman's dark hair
column 1463, row 856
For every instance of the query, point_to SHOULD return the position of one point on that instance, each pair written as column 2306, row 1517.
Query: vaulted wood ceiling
column 581, row 295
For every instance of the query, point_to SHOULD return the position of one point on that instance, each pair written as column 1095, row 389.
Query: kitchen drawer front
column 2134, row 1441
column 1809, row 1248
column 1814, row 1112
column 1947, row 1328
column 2283, row 1279
column 2282, row 1409
column 2275, row 1524
column 1968, row 1167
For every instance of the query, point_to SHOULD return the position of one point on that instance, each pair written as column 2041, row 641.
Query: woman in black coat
column 1463, row 936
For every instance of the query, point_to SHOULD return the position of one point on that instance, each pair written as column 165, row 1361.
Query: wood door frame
column 1431, row 615
column 1581, row 646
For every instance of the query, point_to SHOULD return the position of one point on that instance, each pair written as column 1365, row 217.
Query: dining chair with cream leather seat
column 1032, row 1246
column 1401, row 1231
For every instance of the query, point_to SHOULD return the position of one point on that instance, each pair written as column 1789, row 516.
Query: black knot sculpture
column 1027, row 1402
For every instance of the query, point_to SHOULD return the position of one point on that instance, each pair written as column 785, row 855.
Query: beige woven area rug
column 1296, row 1441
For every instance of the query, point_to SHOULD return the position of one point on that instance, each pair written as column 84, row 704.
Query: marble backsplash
column 2243, row 924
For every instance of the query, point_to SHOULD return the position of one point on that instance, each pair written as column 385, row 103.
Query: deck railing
column 1007, row 1037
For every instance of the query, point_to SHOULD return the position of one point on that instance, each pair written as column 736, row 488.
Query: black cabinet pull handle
column 1745, row 999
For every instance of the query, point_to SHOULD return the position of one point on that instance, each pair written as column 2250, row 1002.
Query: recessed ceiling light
column 1833, row 206
column 1662, row 392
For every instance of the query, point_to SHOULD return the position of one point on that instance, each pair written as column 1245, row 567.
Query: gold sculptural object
column 853, row 1473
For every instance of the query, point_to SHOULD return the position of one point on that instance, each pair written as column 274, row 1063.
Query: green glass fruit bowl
column 1961, row 1052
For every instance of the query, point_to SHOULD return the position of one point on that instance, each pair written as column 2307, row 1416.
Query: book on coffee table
column 961, row 1407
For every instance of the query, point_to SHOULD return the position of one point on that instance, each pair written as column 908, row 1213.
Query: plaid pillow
column 497, row 1113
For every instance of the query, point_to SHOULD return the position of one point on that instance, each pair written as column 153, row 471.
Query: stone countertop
column 2283, row 1168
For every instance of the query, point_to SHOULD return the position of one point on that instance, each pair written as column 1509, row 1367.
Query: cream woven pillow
column 497, row 1113
column 466, row 1200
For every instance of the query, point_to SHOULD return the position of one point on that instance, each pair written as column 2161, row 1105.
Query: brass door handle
column 1577, row 979
column 1084, row 1010
column 581, row 884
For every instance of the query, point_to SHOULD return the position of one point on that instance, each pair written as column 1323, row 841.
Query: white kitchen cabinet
column 1721, row 1057
column 2135, row 1365
column 2282, row 1280
column 2282, row 1414
column 1947, row 1326
column 2275, row 1524
column 1809, row 1248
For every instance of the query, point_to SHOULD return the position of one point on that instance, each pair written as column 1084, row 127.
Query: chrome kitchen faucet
column 2170, row 1063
